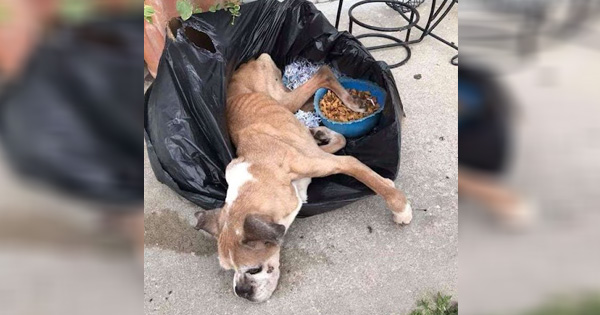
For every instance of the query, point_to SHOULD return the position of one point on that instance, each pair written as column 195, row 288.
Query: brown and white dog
column 277, row 157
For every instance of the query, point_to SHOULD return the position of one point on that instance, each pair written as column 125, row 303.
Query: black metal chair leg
column 339, row 13
column 396, row 42
column 412, row 16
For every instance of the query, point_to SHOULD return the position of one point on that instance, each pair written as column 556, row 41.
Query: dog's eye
column 254, row 271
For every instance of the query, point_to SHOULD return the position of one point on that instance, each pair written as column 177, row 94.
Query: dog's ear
column 208, row 221
column 261, row 230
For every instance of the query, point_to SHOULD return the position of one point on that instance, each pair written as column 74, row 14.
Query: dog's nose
column 244, row 291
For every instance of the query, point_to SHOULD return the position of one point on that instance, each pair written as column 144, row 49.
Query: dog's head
column 248, row 244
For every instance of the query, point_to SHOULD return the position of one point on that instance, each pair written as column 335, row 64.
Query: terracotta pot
column 20, row 31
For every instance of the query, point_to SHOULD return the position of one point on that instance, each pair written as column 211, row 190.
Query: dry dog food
column 333, row 108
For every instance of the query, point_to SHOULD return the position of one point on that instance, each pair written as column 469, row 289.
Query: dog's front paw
column 405, row 216
column 354, row 103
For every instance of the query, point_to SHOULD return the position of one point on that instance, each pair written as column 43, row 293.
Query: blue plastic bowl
column 359, row 127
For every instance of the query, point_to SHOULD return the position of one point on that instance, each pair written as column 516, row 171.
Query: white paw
column 523, row 216
column 405, row 216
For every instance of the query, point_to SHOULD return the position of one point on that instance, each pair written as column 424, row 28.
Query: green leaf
column 423, row 303
column 198, row 10
column 213, row 8
column 75, row 11
column 4, row 13
column 437, row 304
column 148, row 13
column 148, row 10
column 184, row 8
column 218, row 5
column 186, row 15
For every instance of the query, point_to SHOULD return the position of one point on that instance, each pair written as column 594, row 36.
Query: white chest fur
column 301, row 187
column 236, row 175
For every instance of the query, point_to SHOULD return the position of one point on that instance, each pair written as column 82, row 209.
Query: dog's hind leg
column 506, row 204
column 327, row 139
column 324, row 164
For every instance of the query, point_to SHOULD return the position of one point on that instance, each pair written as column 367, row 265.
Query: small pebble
column 417, row 76
column 370, row 229
column 442, row 138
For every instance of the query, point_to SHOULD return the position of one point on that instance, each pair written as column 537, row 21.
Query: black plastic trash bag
column 185, row 125
column 485, row 111
column 73, row 121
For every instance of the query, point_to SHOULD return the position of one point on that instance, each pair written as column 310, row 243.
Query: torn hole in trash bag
column 200, row 39
column 100, row 38
column 174, row 25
